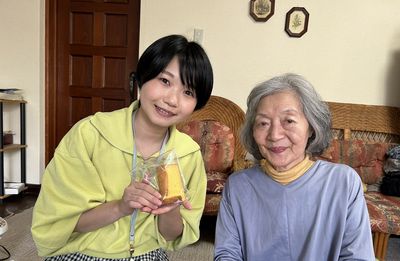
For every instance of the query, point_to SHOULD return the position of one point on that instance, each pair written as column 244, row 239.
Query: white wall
column 351, row 52
column 21, row 66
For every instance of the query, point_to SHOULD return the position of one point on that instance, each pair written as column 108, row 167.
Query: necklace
column 133, row 176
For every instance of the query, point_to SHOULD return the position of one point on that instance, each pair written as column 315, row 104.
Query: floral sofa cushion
column 366, row 158
column 217, row 145
column 384, row 212
column 216, row 181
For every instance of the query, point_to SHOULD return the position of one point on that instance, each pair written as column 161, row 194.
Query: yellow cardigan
column 91, row 166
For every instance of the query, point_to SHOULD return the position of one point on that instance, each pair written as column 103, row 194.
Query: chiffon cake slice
column 170, row 183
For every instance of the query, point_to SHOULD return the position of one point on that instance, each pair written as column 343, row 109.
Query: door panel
column 88, row 70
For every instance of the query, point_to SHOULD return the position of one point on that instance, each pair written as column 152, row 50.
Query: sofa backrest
column 216, row 141
column 362, row 134
column 226, row 112
column 370, row 123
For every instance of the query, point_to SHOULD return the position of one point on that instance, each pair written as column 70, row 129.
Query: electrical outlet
column 198, row 36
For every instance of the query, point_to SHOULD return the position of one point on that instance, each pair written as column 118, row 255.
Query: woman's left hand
column 168, row 207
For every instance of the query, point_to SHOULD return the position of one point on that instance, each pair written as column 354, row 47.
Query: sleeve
column 70, row 186
column 196, row 182
column 227, row 241
column 357, row 240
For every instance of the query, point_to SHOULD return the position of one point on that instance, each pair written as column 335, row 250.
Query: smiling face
column 164, row 100
column 281, row 130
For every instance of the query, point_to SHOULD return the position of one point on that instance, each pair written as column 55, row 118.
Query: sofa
column 216, row 129
column 362, row 134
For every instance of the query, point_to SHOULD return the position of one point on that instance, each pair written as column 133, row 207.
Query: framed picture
column 297, row 21
column 262, row 10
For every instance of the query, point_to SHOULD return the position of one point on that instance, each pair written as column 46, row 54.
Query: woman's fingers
column 145, row 186
column 167, row 208
column 186, row 204
column 139, row 195
column 146, row 209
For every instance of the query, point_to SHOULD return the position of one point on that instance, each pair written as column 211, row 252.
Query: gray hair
column 315, row 110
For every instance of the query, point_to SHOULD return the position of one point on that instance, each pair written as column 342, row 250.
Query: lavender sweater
column 320, row 216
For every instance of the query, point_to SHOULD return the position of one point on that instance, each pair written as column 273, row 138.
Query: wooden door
column 91, row 48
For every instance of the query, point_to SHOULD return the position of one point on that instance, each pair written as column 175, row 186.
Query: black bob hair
column 194, row 66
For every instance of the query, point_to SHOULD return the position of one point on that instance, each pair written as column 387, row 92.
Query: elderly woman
column 288, row 206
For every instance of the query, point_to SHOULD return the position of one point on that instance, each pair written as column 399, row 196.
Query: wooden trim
column 346, row 134
column 380, row 245
column 50, row 77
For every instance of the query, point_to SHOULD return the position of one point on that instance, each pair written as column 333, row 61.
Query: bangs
column 189, row 72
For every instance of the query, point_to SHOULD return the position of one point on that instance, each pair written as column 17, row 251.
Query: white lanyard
column 134, row 162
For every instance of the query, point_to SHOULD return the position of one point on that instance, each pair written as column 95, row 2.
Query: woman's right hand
column 139, row 195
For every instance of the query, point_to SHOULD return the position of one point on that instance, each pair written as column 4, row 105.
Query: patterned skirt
column 155, row 255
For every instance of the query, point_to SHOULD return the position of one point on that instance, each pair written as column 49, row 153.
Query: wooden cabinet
column 13, row 147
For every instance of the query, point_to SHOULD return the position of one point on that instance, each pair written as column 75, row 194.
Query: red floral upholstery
column 212, row 203
column 217, row 145
column 384, row 212
column 216, row 181
column 371, row 124
column 366, row 158
column 216, row 129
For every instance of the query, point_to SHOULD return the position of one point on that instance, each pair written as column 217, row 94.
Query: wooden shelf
column 13, row 101
column 8, row 195
column 11, row 147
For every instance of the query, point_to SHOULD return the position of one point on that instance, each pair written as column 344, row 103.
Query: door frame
column 50, row 76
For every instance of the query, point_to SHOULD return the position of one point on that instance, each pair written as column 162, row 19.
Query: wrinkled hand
column 139, row 195
column 168, row 207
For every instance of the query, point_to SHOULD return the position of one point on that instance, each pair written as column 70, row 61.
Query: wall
column 351, row 52
column 21, row 66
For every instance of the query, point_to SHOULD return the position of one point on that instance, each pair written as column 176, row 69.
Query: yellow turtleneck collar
column 285, row 177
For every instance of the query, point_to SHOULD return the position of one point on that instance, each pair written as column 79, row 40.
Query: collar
column 285, row 177
column 116, row 128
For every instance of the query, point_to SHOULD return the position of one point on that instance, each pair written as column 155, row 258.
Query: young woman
column 90, row 207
